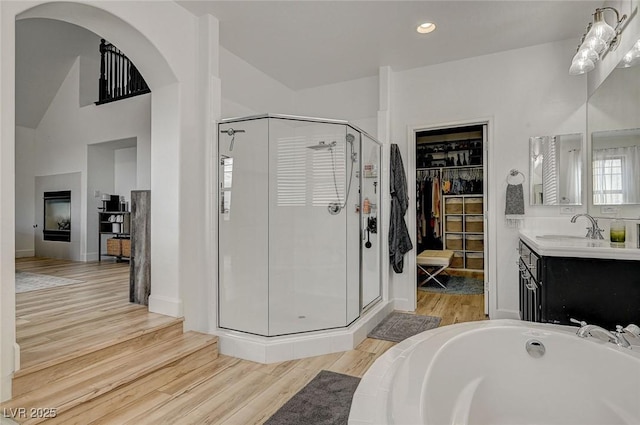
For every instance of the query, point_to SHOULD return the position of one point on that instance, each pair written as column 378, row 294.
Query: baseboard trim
column 23, row 253
column 506, row 314
column 165, row 305
column 277, row 349
column 90, row 256
column 403, row 304
column 16, row 357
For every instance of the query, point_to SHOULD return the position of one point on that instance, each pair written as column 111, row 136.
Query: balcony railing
column 119, row 78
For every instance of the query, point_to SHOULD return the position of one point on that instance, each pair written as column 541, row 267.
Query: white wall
column 355, row 101
column 248, row 91
column 25, row 186
column 125, row 172
column 66, row 130
column 523, row 92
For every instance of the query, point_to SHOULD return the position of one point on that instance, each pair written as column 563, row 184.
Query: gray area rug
column 326, row 400
column 26, row 282
column 459, row 285
column 399, row 326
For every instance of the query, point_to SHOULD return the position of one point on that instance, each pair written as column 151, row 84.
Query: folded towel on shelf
column 514, row 210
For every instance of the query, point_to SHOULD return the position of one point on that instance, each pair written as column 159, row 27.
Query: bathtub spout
column 617, row 337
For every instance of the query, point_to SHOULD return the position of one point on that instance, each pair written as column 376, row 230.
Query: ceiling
column 41, row 67
column 305, row 44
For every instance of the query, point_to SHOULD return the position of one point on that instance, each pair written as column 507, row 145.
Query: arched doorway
column 170, row 67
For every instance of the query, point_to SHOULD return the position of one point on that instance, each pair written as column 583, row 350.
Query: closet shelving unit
column 462, row 214
column 464, row 230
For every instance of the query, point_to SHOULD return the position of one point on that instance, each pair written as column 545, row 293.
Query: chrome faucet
column 616, row 337
column 593, row 232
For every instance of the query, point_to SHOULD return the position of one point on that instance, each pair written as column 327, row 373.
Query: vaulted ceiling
column 305, row 44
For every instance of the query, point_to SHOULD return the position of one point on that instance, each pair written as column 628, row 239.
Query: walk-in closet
column 451, row 199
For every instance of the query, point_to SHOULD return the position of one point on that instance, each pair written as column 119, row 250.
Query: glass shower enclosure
column 298, row 240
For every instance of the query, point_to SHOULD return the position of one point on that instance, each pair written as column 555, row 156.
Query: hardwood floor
column 198, row 389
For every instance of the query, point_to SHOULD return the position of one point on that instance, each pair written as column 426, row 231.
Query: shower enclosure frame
column 363, row 308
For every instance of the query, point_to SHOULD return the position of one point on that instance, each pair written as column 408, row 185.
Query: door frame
column 490, row 267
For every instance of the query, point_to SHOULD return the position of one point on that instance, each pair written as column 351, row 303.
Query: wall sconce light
column 632, row 58
column 598, row 40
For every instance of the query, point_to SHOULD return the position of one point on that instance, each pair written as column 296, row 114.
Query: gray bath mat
column 458, row 285
column 399, row 326
column 326, row 400
column 26, row 282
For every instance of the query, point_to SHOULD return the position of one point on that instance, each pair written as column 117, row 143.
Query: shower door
column 243, row 226
column 309, row 247
column 370, row 193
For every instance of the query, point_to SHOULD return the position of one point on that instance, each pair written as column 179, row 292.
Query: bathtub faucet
column 590, row 330
column 593, row 232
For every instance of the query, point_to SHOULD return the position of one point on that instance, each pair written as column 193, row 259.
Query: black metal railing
column 119, row 78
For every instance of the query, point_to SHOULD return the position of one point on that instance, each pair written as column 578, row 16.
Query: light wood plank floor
column 222, row 391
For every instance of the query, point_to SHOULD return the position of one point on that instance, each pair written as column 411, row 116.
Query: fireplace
column 57, row 216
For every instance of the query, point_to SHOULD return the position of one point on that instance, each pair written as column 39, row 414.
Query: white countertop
column 578, row 247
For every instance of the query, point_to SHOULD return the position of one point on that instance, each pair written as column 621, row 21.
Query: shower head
column 350, row 137
column 322, row 145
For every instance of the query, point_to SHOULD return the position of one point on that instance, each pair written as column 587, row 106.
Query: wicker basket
column 457, row 261
column 474, row 223
column 453, row 205
column 126, row 247
column 454, row 223
column 114, row 247
column 454, row 241
column 475, row 260
column 473, row 205
column 474, row 242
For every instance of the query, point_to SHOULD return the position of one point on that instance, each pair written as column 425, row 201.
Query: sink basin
column 561, row 237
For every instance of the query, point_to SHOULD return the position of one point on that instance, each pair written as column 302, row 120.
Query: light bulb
column 581, row 66
column 426, row 28
column 632, row 58
column 587, row 53
column 594, row 43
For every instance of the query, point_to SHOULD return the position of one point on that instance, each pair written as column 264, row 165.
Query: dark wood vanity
column 555, row 288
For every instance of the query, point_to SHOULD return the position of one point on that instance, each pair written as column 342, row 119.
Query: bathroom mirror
column 615, row 167
column 555, row 170
column 613, row 122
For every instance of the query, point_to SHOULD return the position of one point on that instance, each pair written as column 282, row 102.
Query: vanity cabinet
column 530, row 285
column 600, row 291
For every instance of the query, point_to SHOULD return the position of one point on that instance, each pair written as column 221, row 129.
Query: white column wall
column 9, row 351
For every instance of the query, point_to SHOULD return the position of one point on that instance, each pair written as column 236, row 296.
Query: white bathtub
column 481, row 373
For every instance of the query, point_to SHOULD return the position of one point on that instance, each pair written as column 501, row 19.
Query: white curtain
column 616, row 175
column 572, row 184
column 550, row 171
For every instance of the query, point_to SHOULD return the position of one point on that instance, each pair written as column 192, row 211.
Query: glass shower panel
column 243, row 226
column 354, row 233
column 309, row 167
column 371, row 285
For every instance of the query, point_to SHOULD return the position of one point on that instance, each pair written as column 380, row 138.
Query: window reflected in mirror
column 556, row 170
column 615, row 165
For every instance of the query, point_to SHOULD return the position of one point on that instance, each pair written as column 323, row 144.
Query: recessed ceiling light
column 426, row 28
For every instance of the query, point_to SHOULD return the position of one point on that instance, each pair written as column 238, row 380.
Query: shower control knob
column 334, row 208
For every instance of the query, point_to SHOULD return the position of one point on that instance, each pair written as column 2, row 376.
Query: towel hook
column 514, row 174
